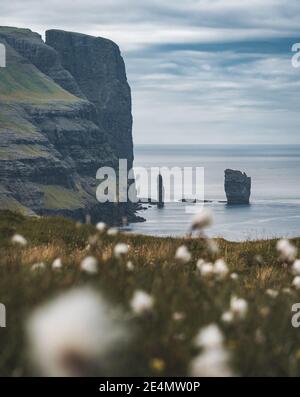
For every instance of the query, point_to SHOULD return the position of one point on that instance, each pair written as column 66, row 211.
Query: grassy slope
column 22, row 82
column 175, row 288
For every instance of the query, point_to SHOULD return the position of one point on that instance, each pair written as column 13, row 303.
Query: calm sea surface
column 275, row 198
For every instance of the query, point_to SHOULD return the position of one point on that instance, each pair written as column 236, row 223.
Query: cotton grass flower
column 227, row 317
column 209, row 337
column 120, row 250
column 296, row 268
column 287, row 251
column 89, row 265
column 101, row 227
column 57, row 264
column 234, row 276
column 206, row 269
column 130, row 266
column 113, row 231
column 212, row 246
column 73, row 335
column 38, row 266
column 183, row 255
column 214, row 359
column 202, row 219
column 238, row 307
column 221, row 269
column 141, row 302
column 272, row 293
column 296, row 282
column 19, row 239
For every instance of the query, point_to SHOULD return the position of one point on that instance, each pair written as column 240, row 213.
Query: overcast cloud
column 201, row 71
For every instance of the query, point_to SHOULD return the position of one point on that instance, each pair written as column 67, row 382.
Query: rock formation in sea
column 65, row 111
column 237, row 187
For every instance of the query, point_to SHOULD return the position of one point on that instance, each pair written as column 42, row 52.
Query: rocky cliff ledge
column 65, row 111
column 237, row 187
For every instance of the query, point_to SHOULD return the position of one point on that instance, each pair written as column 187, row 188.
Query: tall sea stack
column 237, row 187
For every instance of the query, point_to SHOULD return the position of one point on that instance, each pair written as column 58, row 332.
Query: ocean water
column 275, row 197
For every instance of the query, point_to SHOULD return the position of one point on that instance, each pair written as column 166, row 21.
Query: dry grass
column 175, row 288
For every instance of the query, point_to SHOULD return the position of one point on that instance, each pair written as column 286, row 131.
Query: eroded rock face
column 237, row 187
column 99, row 70
column 52, row 139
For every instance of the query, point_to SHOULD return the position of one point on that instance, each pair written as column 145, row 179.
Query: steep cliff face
column 51, row 140
column 99, row 71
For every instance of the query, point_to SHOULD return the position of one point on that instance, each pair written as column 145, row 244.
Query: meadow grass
column 262, row 344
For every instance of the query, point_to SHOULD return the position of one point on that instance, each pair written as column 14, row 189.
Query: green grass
column 23, row 82
column 175, row 287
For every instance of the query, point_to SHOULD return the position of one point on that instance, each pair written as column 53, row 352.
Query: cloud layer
column 201, row 71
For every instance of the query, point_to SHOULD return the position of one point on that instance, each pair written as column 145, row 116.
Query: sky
column 201, row 71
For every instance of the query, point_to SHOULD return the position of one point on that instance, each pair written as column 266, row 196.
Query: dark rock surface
column 99, row 70
column 52, row 137
column 237, row 187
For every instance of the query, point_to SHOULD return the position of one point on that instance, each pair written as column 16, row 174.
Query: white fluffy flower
column 209, row 337
column 38, row 266
column 296, row 282
column 130, row 266
column 113, row 231
column 141, row 302
column 221, row 269
column 211, row 363
column 89, row 265
column 57, row 264
column 287, row 251
column 120, row 250
column 214, row 358
column 296, row 267
column 18, row 239
column 182, row 254
column 101, row 226
column 239, row 307
column 206, row 269
column 234, row 276
column 202, row 220
column 227, row 317
column 272, row 293
column 73, row 334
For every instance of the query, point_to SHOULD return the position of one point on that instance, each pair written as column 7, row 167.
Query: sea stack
column 237, row 187
column 161, row 192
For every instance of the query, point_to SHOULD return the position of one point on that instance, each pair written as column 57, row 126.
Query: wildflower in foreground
column 18, row 239
column 202, row 220
column 57, row 264
column 112, row 231
column 209, row 337
column 120, row 250
column 296, row 282
column 73, row 335
column 206, row 269
column 38, row 266
column 130, row 266
column 214, row 359
column 101, row 226
column 183, row 255
column 221, row 269
column 287, row 251
column 178, row 316
column 234, row 276
column 89, row 265
column 141, row 302
column 272, row 293
column 238, row 307
column 296, row 267
column 227, row 317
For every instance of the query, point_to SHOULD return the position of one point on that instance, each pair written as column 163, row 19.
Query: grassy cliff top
column 263, row 343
